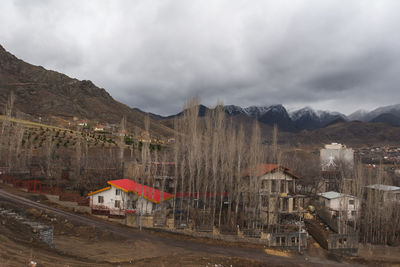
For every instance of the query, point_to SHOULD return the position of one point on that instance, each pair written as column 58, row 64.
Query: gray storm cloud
column 154, row 55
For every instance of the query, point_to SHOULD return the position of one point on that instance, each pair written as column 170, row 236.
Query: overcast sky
column 154, row 55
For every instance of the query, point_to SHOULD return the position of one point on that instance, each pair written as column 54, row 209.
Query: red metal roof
column 147, row 192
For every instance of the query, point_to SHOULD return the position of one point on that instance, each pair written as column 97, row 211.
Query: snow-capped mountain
column 392, row 109
column 304, row 112
column 305, row 118
column 387, row 114
column 274, row 114
column 358, row 115
column 255, row 111
column 310, row 119
column 234, row 110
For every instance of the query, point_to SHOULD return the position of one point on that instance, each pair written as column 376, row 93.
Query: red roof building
column 149, row 193
column 126, row 196
column 262, row 169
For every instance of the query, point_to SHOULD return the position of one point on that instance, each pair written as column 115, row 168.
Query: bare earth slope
column 87, row 241
column 41, row 92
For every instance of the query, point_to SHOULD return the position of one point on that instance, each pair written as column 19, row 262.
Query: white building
column 340, row 204
column 83, row 123
column 387, row 192
column 126, row 196
column 99, row 128
column 335, row 153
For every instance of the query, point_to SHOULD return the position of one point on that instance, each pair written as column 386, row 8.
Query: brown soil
column 85, row 241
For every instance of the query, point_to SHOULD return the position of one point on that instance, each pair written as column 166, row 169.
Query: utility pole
column 299, row 235
column 140, row 218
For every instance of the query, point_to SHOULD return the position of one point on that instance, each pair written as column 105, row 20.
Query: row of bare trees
column 21, row 155
column 211, row 154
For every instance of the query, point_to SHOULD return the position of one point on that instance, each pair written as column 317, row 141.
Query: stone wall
column 43, row 232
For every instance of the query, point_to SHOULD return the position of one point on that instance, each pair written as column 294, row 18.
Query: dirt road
column 174, row 243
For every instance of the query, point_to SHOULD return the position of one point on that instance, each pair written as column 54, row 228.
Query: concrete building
column 126, row 196
column 340, row 205
column 335, row 154
column 276, row 187
column 385, row 192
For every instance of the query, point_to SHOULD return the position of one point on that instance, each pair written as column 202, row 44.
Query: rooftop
column 147, row 192
column 333, row 195
column 384, row 187
column 262, row 169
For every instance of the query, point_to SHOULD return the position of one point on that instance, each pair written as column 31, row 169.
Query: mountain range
column 307, row 118
column 46, row 93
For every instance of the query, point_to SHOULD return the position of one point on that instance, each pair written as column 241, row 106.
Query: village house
column 281, row 208
column 126, row 196
column 122, row 133
column 385, row 192
column 171, row 140
column 145, row 137
column 276, row 186
column 99, row 128
column 83, row 123
column 340, row 205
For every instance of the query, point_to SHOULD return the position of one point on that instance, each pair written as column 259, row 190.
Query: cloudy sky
column 154, row 55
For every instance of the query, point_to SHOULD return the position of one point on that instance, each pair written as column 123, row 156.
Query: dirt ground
column 80, row 245
column 93, row 242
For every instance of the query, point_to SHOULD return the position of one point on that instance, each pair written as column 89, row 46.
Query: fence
column 36, row 186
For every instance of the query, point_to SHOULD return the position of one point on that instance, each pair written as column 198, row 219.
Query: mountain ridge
column 42, row 92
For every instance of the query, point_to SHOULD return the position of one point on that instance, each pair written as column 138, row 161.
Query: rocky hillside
column 41, row 92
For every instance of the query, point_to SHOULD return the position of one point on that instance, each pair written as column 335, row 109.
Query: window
column 293, row 241
column 117, row 192
column 353, row 213
column 283, row 189
column 351, row 201
column 274, row 186
column 100, row 199
column 265, row 201
column 117, row 203
column 265, row 184
column 285, row 204
column 290, row 187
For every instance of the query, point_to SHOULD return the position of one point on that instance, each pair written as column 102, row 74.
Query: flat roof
column 333, row 195
column 384, row 187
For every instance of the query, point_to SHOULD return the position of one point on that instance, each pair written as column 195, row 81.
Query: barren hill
column 41, row 92
column 354, row 133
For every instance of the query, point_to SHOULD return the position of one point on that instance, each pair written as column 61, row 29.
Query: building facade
column 126, row 196
column 334, row 154
column 340, row 205
column 276, row 187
